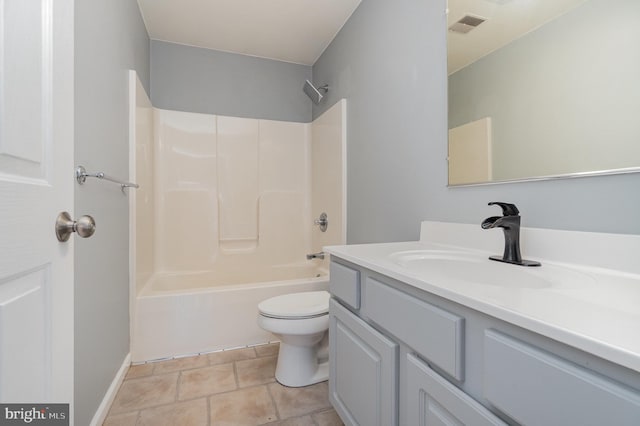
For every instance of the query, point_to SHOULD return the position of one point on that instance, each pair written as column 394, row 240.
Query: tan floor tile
column 128, row 419
column 141, row 370
column 292, row 402
column 296, row 421
column 190, row 413
column 230, row 356
column 267, row 350
column 206, row 381
column 328, row 418
column 245, row 407
column 257, row 371
column 178, row 364
column 146, row 392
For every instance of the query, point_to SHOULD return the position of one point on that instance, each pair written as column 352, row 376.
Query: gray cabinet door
column 362, row 371
column 538, row 388
column 433, row 401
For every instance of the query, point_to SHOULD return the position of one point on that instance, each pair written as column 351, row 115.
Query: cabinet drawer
column 344, row 283
column 434, row 333
column 432, row 400
column 535, row 387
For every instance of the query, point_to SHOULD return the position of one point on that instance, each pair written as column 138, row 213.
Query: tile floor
column 230, row 388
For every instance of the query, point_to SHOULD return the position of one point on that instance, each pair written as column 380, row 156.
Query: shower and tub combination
column 227, row 211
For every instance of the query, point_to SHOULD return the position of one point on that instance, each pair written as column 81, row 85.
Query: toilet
column 300, row 321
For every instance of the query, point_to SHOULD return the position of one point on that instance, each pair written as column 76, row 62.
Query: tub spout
column 319, row 255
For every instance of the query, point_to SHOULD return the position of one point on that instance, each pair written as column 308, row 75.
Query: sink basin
column 413, row 257
column 477, row 269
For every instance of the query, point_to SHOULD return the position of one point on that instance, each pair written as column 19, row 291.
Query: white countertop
column 593, row 309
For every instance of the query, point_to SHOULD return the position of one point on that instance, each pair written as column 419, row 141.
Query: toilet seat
column 295, row 306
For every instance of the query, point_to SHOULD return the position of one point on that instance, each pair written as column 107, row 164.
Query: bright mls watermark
column 34, row 414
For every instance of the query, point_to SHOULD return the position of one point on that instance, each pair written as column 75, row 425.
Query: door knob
column 65, row 226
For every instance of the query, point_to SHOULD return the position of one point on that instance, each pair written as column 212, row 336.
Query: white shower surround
column 224, row 219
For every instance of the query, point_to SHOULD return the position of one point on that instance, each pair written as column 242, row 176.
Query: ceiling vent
column 466, row 24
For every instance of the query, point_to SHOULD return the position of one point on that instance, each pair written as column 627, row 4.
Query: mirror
column 543, row 88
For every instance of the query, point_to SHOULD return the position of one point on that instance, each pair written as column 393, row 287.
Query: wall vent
column 466, row 24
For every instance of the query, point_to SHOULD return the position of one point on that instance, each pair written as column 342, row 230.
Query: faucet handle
column 507, row 208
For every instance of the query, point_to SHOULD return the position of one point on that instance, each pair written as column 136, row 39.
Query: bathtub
column 179, row 314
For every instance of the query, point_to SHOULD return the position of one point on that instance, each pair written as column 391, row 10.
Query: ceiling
column 506, row 21
column 295, row 31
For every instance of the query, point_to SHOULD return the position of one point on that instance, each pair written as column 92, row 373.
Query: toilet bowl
column 300, row 321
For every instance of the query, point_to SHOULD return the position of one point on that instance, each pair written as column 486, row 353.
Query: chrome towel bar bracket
column 82, row 175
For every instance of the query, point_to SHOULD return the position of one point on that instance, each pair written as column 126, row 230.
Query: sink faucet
column 510, row 224
column 319, row 255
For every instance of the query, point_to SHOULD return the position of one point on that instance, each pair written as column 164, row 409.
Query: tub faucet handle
column 322, row 222
column 319, row 255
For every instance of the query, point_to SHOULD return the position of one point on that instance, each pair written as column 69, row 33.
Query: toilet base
column 321, row 375
column 299, row 366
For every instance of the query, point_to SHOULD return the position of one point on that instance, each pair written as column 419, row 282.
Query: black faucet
column 510, row 224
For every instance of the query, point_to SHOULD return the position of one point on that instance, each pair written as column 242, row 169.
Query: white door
column 36, row 183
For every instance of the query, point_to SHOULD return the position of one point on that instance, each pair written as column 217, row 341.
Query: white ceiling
column 506, row 21
column 295, row 31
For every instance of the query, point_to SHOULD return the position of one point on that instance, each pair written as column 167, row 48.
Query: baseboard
column 105, row 405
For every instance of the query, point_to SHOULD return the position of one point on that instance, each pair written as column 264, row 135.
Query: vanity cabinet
column 400, row 355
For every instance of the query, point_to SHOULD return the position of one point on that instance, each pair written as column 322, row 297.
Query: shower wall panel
column 186, row 193
column 238, row 183
column 284, row 191
column 328, row 175
column 143, row 203
column 230, row 187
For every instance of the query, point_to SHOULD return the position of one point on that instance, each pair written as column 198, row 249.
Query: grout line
column 320, row 410
column 230, row 391
column 273, row 401
column 135, row 379
column 141, row 409
column 235, row 375
column 255, row 353
column 178, row 387
column 208, row 401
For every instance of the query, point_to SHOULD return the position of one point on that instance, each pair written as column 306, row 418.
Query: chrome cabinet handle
column 65, row 226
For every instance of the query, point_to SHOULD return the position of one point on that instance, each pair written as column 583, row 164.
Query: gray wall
column 110, row 38
column 554, row 109
column 193, row 79
column 389, row 61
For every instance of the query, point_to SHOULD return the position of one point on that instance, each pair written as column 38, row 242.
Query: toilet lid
column 296, row 305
